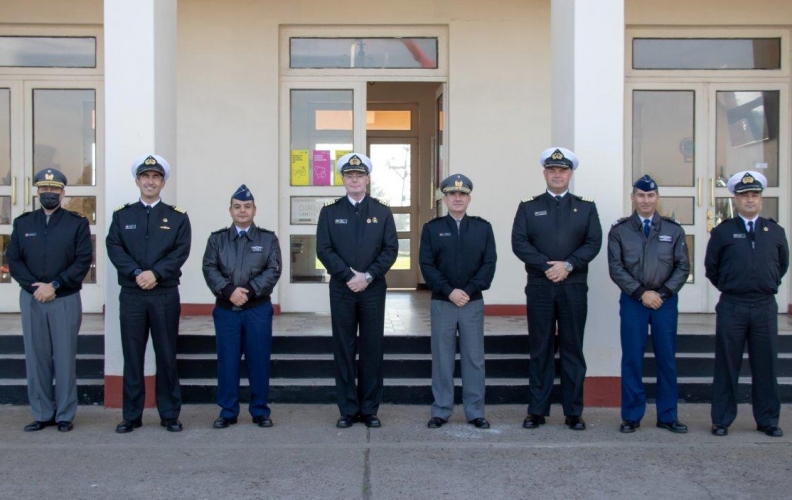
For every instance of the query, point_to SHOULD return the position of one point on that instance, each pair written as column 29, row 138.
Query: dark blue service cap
column 49, row 177
column 456, row 183
column 646, row 183
column 242, row 194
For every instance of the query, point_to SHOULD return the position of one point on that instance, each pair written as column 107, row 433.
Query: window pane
column 679, row 208
column 91, row 276
column 402, row 222
column 391, row 174
column 64, row 133
column 707, row 53
column 305, row 266
column 746, row 130
column 389, row 120
column 85, row 205
column 690, row 241
column 403, row 257
column 5, row 275
column 420, row 53
column 725, row 209
column 5, row 137
column 5, row 210
column 321, row 133
column 663, row 136
column 48, row 52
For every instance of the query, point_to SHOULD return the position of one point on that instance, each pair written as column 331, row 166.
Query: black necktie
column 242, row 233
column 148, row 209
column 558, row 198
column 647, row 227
column 750, row 227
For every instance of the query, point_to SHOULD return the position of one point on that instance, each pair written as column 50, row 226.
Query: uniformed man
column 148, row 243
column 49, row 256
column 241, row 265
column 458, row 262
column 356, row 242
column 746, row 258
column 648, row 260
column 556, row 234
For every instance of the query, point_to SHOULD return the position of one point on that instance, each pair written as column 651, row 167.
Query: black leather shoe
column 262, row 421
column 533, row 421
column 38, row 425
column 128, row 426
column 345, row 421
column 480, row 423
column 224, row 422
column 436, row 422
column 172, row 425
column 629, row 426
column 64, row 426
column 771, row 430
column 674, row 426
column 720, row 430
column 575, row 422
column 370, row 420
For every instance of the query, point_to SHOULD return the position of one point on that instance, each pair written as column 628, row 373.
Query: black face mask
column 50, row 201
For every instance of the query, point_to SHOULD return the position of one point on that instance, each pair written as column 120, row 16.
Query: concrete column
column 140, row 118
column 588, row 118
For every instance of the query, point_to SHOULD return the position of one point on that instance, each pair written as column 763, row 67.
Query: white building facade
column 270, row 93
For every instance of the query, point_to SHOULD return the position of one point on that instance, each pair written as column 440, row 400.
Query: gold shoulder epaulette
column 180, row 209
column 590, row 200
column 122, row 206
column 530, row 198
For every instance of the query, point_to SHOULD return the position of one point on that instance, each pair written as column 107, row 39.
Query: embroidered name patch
column 543, row 212
column 164, row 227
column 740, row 235
column 27, row 235
column 664, row 237
column 130, row 226
column 341, row 221
column 257, row 249
column 445, row 234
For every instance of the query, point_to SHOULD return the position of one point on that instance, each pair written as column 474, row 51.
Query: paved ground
column 305, row 456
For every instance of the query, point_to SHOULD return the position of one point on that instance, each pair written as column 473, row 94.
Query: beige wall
column 228, row 107
column 708, row 12
column 56, row 12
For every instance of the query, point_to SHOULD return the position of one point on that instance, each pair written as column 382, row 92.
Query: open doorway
column 403, row 125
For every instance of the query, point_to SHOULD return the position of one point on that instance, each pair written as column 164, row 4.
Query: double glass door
column 49, row 124
column 691, row 137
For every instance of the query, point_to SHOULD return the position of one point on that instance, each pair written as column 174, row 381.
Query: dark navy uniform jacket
column 41, row 252
column 547, row 230
column 364, row 240
column 461, row 258
column 736, row 267
column 159, row 242
column 659, row 263
column 255, row 267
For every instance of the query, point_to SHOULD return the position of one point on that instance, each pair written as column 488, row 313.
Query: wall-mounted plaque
column 305, row 209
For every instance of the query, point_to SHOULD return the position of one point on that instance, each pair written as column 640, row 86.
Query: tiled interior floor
column 406, row 313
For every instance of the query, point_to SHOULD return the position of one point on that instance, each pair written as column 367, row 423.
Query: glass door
column 322, row 122
column 50, row 124
column 690, row 138
column 394, row 182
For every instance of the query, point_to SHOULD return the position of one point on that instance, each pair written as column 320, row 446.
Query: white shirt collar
column 238, row 229
column 353, row 201
column 152, row 205
column 746, row 220
column 554, row 195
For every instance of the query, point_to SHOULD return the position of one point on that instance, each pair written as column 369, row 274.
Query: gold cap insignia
column 354, row 161
column 747, row 179
column 48, row 176
column 458, row 184
column 557, row 155
column 150, row 161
